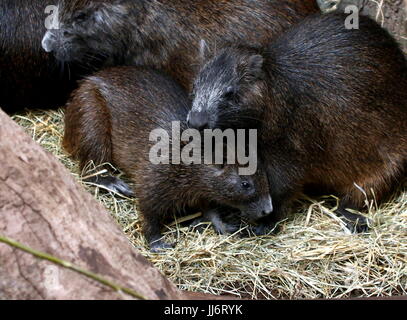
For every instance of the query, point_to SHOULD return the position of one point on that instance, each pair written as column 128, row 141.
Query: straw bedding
column 314, row 256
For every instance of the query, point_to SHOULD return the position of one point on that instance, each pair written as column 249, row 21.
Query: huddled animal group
column 329, row 103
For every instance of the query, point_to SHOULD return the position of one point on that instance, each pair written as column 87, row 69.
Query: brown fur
column 331, row 105
column 110, row 118
column 165, row 34
column 29, row 77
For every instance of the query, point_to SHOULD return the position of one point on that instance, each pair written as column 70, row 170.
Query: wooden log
column 43, row 207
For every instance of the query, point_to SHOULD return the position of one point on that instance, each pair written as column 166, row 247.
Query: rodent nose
column 265, row 213
column 268, row 207
column 47, row 42
column 198, row 120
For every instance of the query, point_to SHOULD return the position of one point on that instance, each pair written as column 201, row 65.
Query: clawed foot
column 225, row 227
column 113, row 184
column 160, row 245
column 231, row 223
column 219, row 226
column 265, row 229
column 360, row 225
column 356, row 223
column 223, row 221
column 199, row 224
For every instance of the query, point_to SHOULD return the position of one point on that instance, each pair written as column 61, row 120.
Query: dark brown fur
column 29, row 77
column 165, row 33
column 331, row 105
column 110, row 118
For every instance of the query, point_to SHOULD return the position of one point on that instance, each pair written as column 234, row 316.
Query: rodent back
column 110, row 116
column 142, row 32
column 330, row 96
column 321, row 51
column 357, row 78
column 342, row 103
column 140, row 100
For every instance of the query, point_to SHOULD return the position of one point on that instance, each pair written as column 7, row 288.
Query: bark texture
column 43, row 207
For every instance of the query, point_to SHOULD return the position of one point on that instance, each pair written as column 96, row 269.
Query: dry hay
column 313, row 256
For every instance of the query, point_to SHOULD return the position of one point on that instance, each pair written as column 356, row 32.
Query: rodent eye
column 229, row 93
column 246, row 185
column 81, row 16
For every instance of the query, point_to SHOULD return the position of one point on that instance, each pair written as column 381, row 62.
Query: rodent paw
column 360, row 225
column 264, row 229
column 160, row 245
column 113, row 184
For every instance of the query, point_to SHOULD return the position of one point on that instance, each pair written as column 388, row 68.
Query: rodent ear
column 252, row 68
column 255, row 65
column 204, row 50
column 106, row 13
column 217, row 169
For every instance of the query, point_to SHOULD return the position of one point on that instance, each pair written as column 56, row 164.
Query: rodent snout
column 265, row 213
column 47, row 42
column 267, row 207
column 198, row 120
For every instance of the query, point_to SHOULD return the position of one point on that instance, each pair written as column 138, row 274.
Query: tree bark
column 43, row 207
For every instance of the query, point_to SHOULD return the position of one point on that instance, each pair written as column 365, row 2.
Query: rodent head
column 249, row 194
column 228, row 90
column 88, row 29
